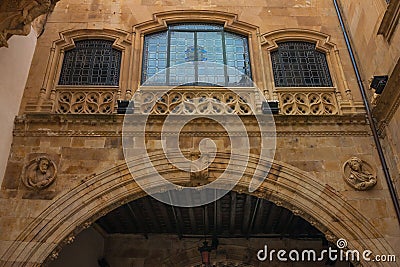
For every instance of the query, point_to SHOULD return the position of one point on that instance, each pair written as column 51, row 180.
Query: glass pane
column 209, row 49
column 182, row 50
column 195, row 44
column 155, row 58
column 238, row 59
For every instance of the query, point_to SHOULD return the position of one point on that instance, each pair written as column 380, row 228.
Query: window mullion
column 225, row 61
column 167, row 72
column 91, row 65
column 196, row 58
column 285, row 80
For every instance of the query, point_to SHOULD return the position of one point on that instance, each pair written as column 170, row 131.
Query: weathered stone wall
column 123, row 15
column 378, row 54
column 85, row 146
column 82, row 146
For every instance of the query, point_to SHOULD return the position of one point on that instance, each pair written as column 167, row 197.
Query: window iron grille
column 299, row 64
column 91, row 62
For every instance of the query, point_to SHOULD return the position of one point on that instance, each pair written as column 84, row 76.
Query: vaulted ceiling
column 234, row 215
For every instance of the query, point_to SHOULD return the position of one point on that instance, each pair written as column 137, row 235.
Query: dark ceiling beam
column 218, row 225
column 166, row 218
column 138, row 219
column 151, row 211
column 247, row 215
column 259, row 216
column 270, row 222
column 294, row 225
column 232, row 213
column 215, row 230
column 180, row 222
column 286, row 225
column 206, row 220
column 177, row 218
column 192, row 218
column 119, row 224
column 282, row 221
column 253, row 217
column 127, row 219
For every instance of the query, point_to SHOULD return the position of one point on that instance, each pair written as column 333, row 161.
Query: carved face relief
column 359, row 174
column 39, row 173
column 44, row 165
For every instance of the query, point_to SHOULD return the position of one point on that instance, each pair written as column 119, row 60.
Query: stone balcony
column 189, row 100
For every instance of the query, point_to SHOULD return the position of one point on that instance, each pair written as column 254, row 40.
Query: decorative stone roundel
column 359, row 174
column 39, row 173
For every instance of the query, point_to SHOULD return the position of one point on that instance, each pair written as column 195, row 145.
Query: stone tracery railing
column 85, row 100
column 196, row 101
column 308, row 101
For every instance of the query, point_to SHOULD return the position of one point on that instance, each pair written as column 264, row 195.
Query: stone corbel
column 17, row 17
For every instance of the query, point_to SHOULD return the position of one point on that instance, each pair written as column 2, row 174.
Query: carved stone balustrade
column 183, row 100
column 308, row 101
column 85, row 100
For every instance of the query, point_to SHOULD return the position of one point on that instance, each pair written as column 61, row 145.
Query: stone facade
column 306, row 176
column 383, row 53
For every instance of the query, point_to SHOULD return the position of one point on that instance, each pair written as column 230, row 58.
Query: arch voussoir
column 98, row 194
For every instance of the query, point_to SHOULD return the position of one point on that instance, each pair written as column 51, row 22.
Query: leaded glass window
column 193, row 43
column 91, row 62
column 299, row 64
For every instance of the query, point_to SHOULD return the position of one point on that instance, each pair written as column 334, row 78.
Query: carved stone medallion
column 359, row 174
column 39, row 173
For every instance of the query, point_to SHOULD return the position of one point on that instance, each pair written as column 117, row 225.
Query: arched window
column 299, row 64
column 91, row 62
column 192, row 43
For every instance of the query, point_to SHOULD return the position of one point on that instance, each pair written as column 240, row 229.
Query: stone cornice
column 52, row 125
column 390, row 20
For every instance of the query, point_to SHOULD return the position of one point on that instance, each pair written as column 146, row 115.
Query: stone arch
column 270, row 40
column 98, row 194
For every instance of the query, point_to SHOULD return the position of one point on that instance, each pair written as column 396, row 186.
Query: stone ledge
column 96, row 125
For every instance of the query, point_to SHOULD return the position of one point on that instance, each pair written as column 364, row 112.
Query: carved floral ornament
column 17, row 17
column 359, row 174
column 39, row 173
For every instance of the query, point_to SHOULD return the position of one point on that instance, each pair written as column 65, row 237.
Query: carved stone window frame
column 390, row 20
column 230, row 22
column 340, row 89
column 47, row 97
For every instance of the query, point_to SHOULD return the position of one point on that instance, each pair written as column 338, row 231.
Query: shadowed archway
column 98, row 194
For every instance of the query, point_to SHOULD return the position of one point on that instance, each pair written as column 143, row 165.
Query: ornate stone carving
column 330, row 236
column 39, row 173
column 70, row 239
column 85, row 101
column 86, row 225
column 357, row 174
column 308, row 103
column 199, row 167
column 54, row 255
column 196, row 101
column 18, row 15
